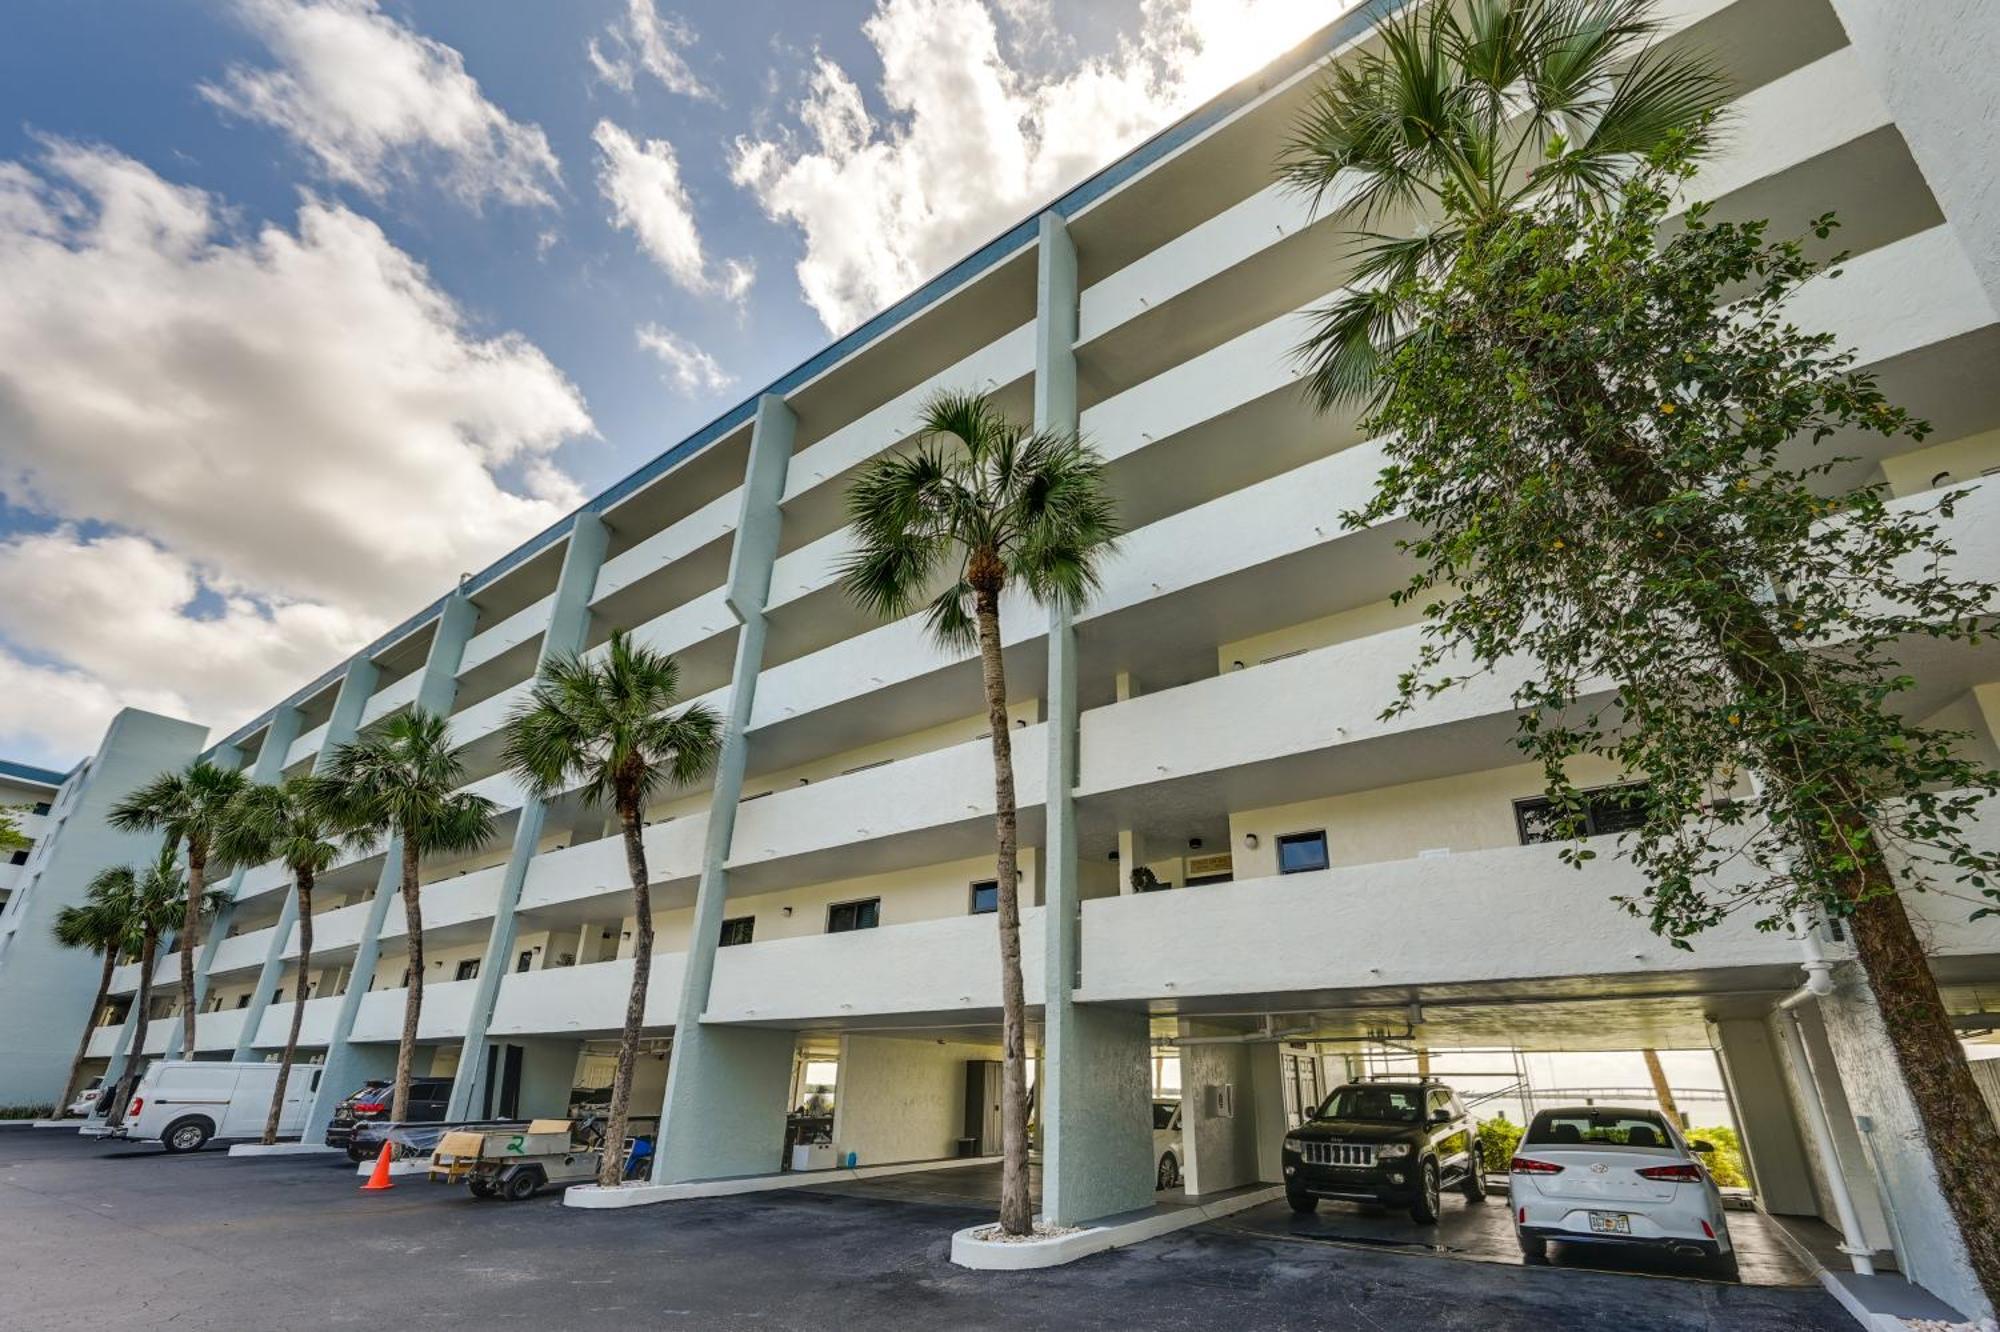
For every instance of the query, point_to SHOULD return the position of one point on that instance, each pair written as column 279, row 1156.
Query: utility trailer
column 517, row 1163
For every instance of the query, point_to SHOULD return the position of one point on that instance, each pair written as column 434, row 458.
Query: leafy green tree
column 100, row 924
column 189, row 807
column 1620, row 494
column 156, row 898
column 977, row 506
column 616, row 727
column 1620, row 477
column 1726, row 1161
column 398, row 783
column 285, row 822
column 11, row 837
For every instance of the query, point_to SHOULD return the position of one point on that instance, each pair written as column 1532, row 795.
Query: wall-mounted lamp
column 1112, row 854
column 1250, row 841
column 1235, row 665
column 786, row 910
column 1194, row 843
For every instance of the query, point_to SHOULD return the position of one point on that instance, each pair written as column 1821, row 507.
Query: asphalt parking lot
column 112, row 1237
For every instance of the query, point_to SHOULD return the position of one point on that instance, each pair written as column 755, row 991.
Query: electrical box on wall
column 1218, row 1100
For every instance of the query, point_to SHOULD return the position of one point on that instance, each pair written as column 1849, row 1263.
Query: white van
column 183, row 1103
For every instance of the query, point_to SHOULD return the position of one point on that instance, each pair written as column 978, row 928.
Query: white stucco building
column 28, row 794
column 1214, row 716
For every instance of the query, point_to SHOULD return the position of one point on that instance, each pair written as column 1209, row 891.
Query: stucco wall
column 902, row 1100
column 1221, row 1149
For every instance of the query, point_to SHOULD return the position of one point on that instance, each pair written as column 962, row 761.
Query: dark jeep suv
column 1397, row 1143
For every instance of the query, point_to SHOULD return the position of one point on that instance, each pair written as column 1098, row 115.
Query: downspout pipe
column 1819, row 984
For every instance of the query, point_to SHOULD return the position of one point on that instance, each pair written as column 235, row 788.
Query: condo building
column 1317, row 880
column 27, row 794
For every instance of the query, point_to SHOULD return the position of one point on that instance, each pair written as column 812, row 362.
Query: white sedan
column 1167, row 1150
column 1598, row 1174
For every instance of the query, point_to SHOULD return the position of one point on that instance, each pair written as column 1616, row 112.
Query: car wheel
column 1534, row 1249
column 1475, row 1176
column 1302, row 1203
column 1170, row 1172
column 355, row 1154
column 186, row 1135
column 521, row 1185
column 1424, row 1209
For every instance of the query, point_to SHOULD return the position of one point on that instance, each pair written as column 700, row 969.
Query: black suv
column 428, row 1099
column 1397, row 1143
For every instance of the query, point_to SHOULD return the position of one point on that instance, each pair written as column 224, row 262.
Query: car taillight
column 138, row 1104
column 1708, row 1230
column 370, row 1107
column 1685, row 1173
column 1527, row 1165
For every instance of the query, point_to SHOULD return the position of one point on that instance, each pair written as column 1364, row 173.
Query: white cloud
column 373, row 100
column 650, row 41
column 688, row 368
column 294, row 430
column 642, row 182
column 972, row 143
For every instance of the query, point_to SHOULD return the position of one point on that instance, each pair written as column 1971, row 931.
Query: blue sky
column 314, row 303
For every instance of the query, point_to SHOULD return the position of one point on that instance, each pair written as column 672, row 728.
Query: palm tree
column 1470, row 112
column 157, row 897
column 102, row 924
column 400, row 783
column 610, row 726
column 189, row 807
column 285, row 822
column 978, row 506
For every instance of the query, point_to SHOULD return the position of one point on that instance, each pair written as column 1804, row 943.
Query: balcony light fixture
column 1250, row 841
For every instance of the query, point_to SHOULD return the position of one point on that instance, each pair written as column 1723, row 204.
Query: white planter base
column 641, row 1195
column 397, row 1169
column 1023, row 1255
column 288, row 1149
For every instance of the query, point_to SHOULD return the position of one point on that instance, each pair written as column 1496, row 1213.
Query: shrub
column 1726, row 1161
column 1497, row 1139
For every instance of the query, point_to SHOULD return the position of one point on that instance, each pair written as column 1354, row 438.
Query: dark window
column 1300, row 852
column 242, row 1001
column 985, row 896
column 1608, row 809
column 468, row 969
column 738, row 930
column 41, row 807
column 19, row 857
column 845, row 916
column 525, row 960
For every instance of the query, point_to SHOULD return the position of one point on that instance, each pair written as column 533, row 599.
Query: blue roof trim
column 26, row 773
column 1079, row 197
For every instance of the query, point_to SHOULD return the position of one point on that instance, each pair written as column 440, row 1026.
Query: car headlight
column 1391, row 1151
column 1295, row 1145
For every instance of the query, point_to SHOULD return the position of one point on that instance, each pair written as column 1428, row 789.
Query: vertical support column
column 1097, row 1149
column 1765, row 1116
column 435, row 694
column 268, row 770
column 724, row 1111
column 568, row 629
column 1931, row 65
column 229, row 758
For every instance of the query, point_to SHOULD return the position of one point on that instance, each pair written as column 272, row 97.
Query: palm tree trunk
column 611, row 1170
column 1662, row 1090
column 1017, row 1206
column 413, row 998
column 305, row 891
column 197, row 853
column 122, row 1094
column 89, row 1029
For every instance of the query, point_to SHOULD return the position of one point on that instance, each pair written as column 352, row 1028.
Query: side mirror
column 1703, row 1147
column 1440, row 1116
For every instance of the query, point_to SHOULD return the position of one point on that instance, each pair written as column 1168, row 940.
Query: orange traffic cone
column 379, row 1177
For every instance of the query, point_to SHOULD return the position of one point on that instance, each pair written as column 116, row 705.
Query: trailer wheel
column 481, row 1188
column 187, row 1135
column 522, row 1184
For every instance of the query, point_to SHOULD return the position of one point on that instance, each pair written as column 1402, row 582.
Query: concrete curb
column 1024, row 1255
column 286, row 1149
column 73, row 1125
column 641, row 1195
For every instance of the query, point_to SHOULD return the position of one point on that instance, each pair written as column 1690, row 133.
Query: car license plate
column 1610, row 1223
